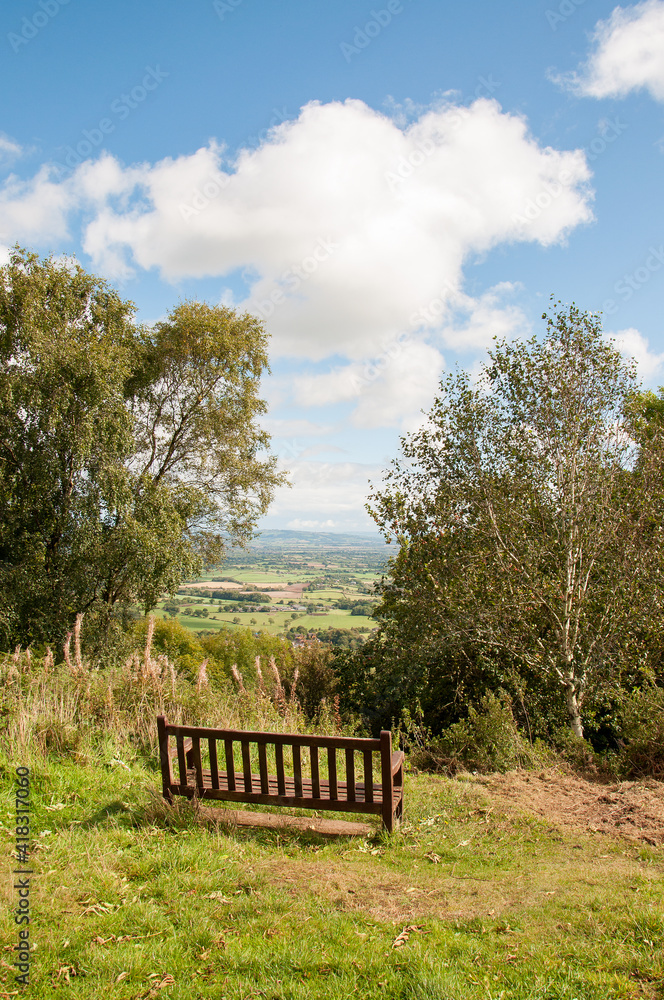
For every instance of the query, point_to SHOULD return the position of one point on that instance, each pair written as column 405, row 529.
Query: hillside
column 290, row 539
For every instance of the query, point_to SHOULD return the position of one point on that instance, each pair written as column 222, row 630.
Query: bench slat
column 297, row 771
column 368, row 776
column 246, row 767
column 332, row 771
column 214, row 766
column 182, row 761
column 315, row 776
column 197, row 762
column 262, row 765
column 230, row 764
column 290, row 792
column 350, row 775
column 286, row 739
column 281, row 782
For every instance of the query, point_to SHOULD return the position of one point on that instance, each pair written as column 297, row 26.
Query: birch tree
column 526, row 531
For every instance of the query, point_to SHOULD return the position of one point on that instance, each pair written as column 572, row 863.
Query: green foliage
column 488, row 740
column 241, row 647
column 173, row 640
column 317, row 682
column 642, row 733
column 127, row 455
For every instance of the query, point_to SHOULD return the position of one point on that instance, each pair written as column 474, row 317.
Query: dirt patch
column 631, row 809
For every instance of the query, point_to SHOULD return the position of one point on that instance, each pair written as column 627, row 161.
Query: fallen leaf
column 123, row 975
column 402, row 938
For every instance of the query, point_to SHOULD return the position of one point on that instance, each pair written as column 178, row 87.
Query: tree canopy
column 129, row 455
column 527, row 510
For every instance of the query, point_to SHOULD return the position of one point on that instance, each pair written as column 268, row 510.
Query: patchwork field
column 309, row 583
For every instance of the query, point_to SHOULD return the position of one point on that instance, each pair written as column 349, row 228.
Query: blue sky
column 388, row 185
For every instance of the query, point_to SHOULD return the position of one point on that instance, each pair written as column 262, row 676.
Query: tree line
column 526, row 512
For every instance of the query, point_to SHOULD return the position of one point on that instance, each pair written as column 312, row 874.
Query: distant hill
column 287, row 539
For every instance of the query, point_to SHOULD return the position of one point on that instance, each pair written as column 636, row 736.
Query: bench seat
column 306, row 800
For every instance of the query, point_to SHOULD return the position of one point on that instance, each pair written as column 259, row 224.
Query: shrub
column 317, row 683
column 642, row 737
column 173, row 640
column 488, row 740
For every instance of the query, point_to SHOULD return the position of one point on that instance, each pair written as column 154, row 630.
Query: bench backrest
column 193, row 743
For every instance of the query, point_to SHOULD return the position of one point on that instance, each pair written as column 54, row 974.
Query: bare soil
column 630, row 809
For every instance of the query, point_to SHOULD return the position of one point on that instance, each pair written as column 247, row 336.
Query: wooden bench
column 197, row 751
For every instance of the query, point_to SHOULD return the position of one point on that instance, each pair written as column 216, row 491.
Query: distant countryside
column 296, row 584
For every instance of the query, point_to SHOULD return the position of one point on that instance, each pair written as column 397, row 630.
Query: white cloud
column 327, row 491
column 633, row 344
column 393, row 387
column 473, row 323
column 297, row 524
column 390, row 389
column 36, row 210
column 350, row 222
column 9, row 149
column 294, row 427
column 628, row 54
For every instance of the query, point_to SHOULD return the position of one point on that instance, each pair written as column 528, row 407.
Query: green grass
column 127, row 892
column 282, row 620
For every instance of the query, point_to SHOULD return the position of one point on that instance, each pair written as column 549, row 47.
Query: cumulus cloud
column 391, row 389
column 327, row 491
column 632, row 344
column 345, row 222
column 36, row 210
column 628, row 54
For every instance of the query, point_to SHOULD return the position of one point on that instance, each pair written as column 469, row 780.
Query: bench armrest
column 398, row 758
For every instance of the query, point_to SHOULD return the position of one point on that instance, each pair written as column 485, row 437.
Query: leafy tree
column 526, row 529
column 128, row 455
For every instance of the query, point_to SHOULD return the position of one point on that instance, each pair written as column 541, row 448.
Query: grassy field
column 135, row 900
column 282, row 620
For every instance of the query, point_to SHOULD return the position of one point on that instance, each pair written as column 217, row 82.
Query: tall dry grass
column 77, row 709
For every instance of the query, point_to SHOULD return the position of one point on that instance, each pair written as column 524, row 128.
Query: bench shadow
column 261, row 826
column 112, row 810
